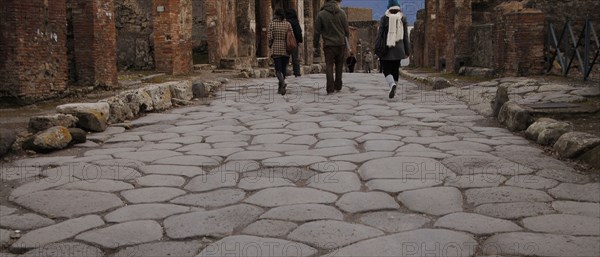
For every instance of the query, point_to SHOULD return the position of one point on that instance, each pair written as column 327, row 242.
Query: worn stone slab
column 334, row 166
column 256, row 183
column 160, row 180
column 4, row 237
column 336, row 182
column 404, row 168
column 382, row 145
column 303, row 213
column 577, row 208
column 273, row 197
column 302, row 140
column 69, row 203
column 399, row 185
column 152, row 211
column 212, row 181
column 94, row 173
column 394, row 221
column 564, row 224
column 151, row 194
column 216, row 198
column 339, row 135
column 505, row 194
column 63, row 249
column 123, row 234
column 462, row 145
column 332, row 234
column 252, row 155
column 362, row 157
column 161, row 249
column 476, row 224
column 563, row 175
column 147, row 156
column 335, row 143
column 434, row 201
column 377, row 136
column 363, row 128
column 102, row 185
column 531, row 181
column 270, row 139
column 108, row 151
column 194, row 147
column 227, row 138
column 158, row 146
column 430, row 140
column 588, row 192
column 514, row 210
column 366, row 201
column 469, row 165
column 475, row 181
column 573, row 144
column 5, row 210
column 188, row 171
column 188, row 160
column 27, row 221
column 508, row 244
column 293, row 161
column 217, row 222
column 325, row 152
column 277, row 147
column 256, row 246
column 269, row 228
column 57, row 232
column 237, row 166
column 422, row 242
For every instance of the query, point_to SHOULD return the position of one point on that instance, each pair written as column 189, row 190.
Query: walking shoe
column 392, row 85
column 392, row 92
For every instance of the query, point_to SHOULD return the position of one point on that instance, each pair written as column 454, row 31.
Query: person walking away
column 332, row 25
column 292, row 17
column 368, row 59
column 277, row 41
column 351, row 62
column 392, row 44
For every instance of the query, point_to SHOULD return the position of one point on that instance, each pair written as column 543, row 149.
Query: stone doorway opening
column 199, row 34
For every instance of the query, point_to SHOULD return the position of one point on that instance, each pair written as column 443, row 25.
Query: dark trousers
column 281, row 63
column 367, row 67
column 351, row 68
column 391, row 68
column 334, row 55
column 296, row 63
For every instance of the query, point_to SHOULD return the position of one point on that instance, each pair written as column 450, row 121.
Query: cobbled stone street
column 254, row 173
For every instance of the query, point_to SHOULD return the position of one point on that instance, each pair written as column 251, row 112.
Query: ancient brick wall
column 417, row 40
column 199, row 34
column 33, row 55
column 520, row 37
column 484, row 46
column 95, row 43
column 135, row 45
column 358, row 14
column 173, row 36
column 222, row 29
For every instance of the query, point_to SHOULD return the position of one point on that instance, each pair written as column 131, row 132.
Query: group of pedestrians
column 331, row 25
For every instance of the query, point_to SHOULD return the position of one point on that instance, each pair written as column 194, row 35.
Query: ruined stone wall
column 417, row 40
column 575, row 10
column 173, row 36
column 222, row 29
column 358, row 14
column 484, row 46
column 135, row 45
column 33, row 54
column 520, row 37
column 199, row 34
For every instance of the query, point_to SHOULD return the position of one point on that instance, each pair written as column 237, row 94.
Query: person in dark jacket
column 292, row 17
column 277, row 41
column 332, row 25
column 351, row 62
column 392, row 44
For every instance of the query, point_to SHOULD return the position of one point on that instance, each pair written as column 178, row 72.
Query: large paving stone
column 160, row 180
column 531, row 181
column 303, row 212
column 102, row 185
column 57, row 232
column 334, row 166
column 325, row 152
column 399, row 185
column 532, row 244
column 217, row 222
column 256, row 246
column 148, row 156
column 293, row 161
column 277, row 147
column 5, row 210
column 362, row 157
column 332, row 234
column 394, row 221
column 270, row 139
column 69, row 203
column 27, row 221
column 377, row 137
column 273, row 197
column 123, row 234
column 336, row 182
column 564, row 174
column 564, row 224
column 256, row 183
column 302, row 140
column 188, row 160
column 63, row 249
column 328, row 143
column 404, row 168
column 366, row 201
column 421, row 242
column 434, row 201
column 430, row 140
column 577, row 208
column 470, row 165
column 252, row 155
column 4, row 237
column 505, row 194
column 95, row 173
column 514, row 210
column 91, row 116
column 212, row 181
column 573, row 144
column 216, row 198
column 151, row 194
column 588, row 192
column 162, row 249
column 270, row 228
column 462, row 145
column 382, row 145
column 152, row 211
column 188, row 171
column 475, row 181
column 476, row 224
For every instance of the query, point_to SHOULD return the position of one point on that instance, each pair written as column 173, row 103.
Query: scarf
column 395, row 27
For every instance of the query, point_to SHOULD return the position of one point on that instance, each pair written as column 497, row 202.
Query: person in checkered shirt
column 277, row 41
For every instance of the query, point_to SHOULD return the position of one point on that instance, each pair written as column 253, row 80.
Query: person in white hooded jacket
column 392, row 44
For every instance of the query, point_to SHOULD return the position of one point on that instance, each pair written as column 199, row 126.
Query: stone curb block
column 574, row 144
column 514, row 116
column 92, row 116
